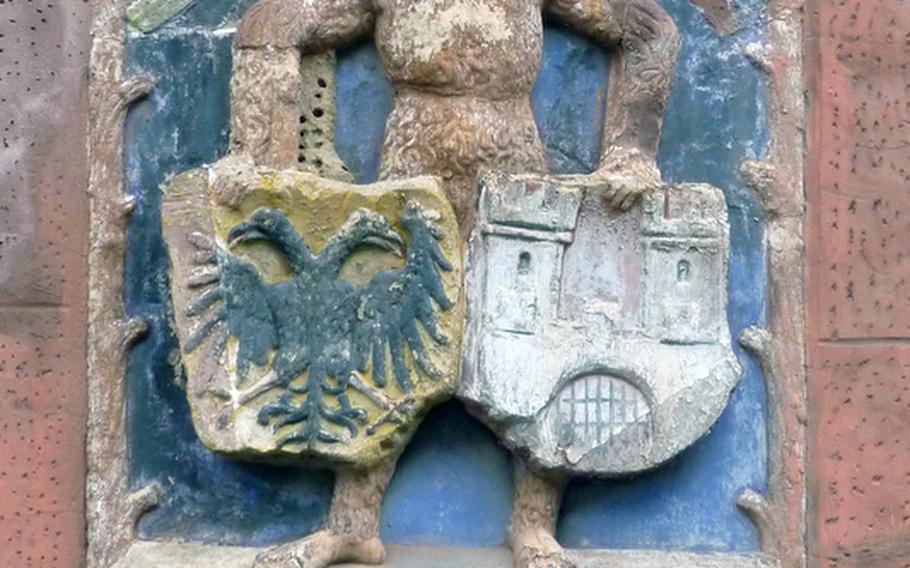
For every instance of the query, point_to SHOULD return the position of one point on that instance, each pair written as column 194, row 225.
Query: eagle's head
column 263, row 225
column 272, row 226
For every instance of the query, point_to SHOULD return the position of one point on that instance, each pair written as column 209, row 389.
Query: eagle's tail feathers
column 204, row 302
column 295, row 417
column 198, row 336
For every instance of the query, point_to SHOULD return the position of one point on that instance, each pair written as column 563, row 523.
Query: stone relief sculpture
column 330, row 358
column 272, row 92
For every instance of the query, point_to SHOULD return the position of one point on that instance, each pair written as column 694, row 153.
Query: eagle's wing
column 395, row 304
column 234, row 301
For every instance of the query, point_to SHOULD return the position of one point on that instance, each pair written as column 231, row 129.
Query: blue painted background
column 453, row 485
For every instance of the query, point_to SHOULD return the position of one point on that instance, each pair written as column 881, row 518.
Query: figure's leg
column 641, row 74
column 535, row 509
column 351, row 532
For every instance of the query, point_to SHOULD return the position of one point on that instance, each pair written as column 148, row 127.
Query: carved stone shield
column 318, row 320
column 597, row 341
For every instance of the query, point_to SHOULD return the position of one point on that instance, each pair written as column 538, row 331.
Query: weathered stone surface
column 597, row 340
column 318, row 320
column 266, row 89
column 168, row 555
column 114, row 506
column 317, row 118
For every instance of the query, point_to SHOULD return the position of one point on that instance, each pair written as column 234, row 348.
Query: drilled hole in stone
column 318, row 112
column 321, row 82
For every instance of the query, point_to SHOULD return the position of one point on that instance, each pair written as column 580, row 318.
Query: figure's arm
column 309, row 25
column 645, row 43
column 267, row 83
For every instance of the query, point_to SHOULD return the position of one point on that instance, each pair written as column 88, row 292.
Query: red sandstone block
column 864, row 266
column 860, row 479
column 860, row 156
column 43, row 244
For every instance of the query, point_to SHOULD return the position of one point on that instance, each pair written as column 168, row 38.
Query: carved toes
column 320, row 550
column 370, row 551
column 537, row 548
column 315, row 551
column 625, row 175
column 534, row 558
column 623, row 194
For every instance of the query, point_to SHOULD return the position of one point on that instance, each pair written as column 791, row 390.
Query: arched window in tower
column 683, row 272
column 524, row 263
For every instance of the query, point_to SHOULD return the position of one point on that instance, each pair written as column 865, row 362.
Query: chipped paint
column 148, row 15
column 426, row 29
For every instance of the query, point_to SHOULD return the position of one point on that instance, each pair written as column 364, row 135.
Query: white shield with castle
column 597, row 341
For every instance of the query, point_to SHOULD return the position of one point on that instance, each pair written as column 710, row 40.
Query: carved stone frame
column 780, row 515
column 113, row 509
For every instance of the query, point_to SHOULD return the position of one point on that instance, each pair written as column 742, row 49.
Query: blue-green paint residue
column 453, row 484
column 321, row 325
column 147, row 15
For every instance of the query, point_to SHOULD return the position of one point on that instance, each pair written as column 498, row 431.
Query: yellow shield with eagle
column 318, row 320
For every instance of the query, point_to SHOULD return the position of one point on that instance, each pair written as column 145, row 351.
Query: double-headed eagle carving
column 315, row 331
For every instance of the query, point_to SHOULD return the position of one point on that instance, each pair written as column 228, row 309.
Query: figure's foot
column 627, row 175
column 537, row 548
column 322, row 549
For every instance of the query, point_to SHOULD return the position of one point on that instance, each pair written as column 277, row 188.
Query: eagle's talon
column 205, row 258
column 201, row 241
column 200, row 279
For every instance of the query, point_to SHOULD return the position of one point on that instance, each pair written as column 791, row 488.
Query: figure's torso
column 489, row 48
column 463, row 71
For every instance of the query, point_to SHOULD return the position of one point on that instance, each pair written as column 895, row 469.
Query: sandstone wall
column 43, row 240
column 858, row 237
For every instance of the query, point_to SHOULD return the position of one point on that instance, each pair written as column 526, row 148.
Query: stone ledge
column 180, row 555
